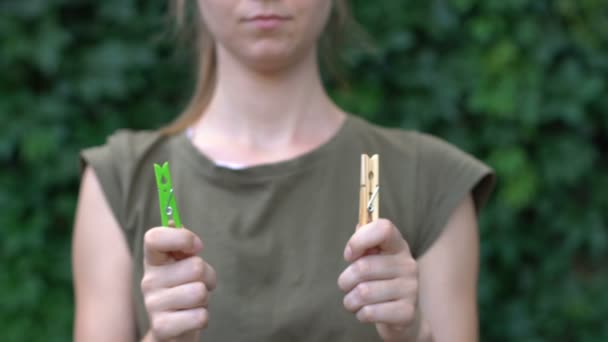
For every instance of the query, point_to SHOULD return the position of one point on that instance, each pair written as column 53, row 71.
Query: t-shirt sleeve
column 111, row 163
column 445, row 176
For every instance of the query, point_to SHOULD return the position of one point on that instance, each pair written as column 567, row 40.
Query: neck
column 261, row 110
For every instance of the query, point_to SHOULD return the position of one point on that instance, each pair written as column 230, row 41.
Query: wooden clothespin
column 168, row 205
column 369, row 197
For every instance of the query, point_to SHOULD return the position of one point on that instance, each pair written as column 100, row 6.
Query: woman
column 265, row 170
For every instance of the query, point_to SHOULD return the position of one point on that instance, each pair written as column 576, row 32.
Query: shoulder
column 133, row 137
column 428, row 174
column 446, row 175
column 438, row 159
column 426, row 157
column 123, row 150
column 118, row 164
column 423, row 147
column 130, row 144
column 390, row 141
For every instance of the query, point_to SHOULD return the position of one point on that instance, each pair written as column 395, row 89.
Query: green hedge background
column 521, row 84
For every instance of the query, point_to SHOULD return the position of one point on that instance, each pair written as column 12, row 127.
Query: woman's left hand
column 382, row 286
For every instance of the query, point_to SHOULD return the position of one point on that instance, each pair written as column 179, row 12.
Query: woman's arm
column 102, row 270
column 448, row 274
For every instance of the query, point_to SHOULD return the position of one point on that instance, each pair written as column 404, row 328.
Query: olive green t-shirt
column 275, row 233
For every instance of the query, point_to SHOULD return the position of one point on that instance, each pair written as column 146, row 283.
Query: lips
column 267, row 21
column 263, row 17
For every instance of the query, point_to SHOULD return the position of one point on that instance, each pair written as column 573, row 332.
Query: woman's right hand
column 176, row 284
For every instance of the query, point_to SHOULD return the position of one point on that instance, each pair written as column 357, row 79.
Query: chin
column 271, row 57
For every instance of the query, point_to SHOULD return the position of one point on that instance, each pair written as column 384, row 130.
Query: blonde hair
column 190, row 25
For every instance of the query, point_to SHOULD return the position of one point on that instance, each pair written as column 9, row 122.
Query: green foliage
column 519, row 83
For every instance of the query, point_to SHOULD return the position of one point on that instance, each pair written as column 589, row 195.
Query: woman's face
column 266, row 34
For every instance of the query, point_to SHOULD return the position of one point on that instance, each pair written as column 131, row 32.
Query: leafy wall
column 521, row 84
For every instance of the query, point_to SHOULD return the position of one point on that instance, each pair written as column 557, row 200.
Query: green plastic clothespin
column 166, row 198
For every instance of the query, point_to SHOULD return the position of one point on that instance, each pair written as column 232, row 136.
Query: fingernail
column 348, row 253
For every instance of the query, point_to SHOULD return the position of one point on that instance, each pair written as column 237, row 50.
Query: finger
column 379, row 291
column 172, row 324
column 191, row 269
column 399, row 312
column 371, row 267
column 186, row 296
column 380, row 233
column 159, row 242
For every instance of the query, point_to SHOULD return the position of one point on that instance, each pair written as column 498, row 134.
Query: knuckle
column 147, row 283
column 365, row 314
column 189, row 240
column 408, row 312
column 342, row 282
column 199, row 292
column 414, row 286
column 385, row 226
column 151, row 237
column 411, row 266
column 150, row 302
column 363, row 292
column 347, row 302
column 385, row 222
column 160, row 326
column 205, row 318
column 198, row 268
column 201, row 318
column 361, row 268
column 351, row 302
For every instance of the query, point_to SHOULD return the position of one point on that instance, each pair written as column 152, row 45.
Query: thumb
column 380, row 235
column 160, row 243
